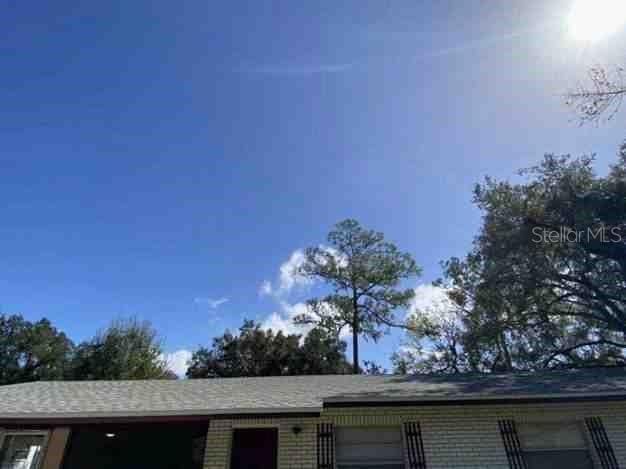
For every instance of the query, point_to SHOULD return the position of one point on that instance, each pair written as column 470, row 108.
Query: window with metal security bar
column 325, row 446
column 369, row 448
column 549, row 445
column 414, row 445
column 22, row 450
column 601, row 443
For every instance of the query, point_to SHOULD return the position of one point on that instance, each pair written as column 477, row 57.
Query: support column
column 57, row 442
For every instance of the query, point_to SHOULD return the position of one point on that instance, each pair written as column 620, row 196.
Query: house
column 565, row 419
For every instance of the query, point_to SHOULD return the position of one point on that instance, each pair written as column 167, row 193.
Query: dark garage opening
column 136, row 446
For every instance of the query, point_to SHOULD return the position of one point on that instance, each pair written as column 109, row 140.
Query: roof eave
column 478, row 400
column 77, row 418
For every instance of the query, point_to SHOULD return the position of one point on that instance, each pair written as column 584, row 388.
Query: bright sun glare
column 591, row 20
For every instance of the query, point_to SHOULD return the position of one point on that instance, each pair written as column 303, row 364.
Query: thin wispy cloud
column 266, row 288
column 485, row 42
column 478, row 44
column 211, row 302
column 296, row 69
column 304, row 70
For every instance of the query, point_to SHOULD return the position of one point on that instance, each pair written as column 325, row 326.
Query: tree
column 434, row 343
column 322, row 353
column 32, row 351
column 127, row 349
column 364, row 272
column 260, row 352
column 482, row 327
column 602, row 96
column 559, row 244
column 545, row 283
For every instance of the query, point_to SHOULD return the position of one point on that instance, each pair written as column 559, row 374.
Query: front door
column 254, row 448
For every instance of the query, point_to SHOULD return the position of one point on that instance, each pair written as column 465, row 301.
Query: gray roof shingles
column 67, row 399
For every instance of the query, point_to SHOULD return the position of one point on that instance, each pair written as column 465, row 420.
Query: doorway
column 254, row 448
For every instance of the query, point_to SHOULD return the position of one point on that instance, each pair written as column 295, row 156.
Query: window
column 369, row 448
column 21, row 450
column 551, row 445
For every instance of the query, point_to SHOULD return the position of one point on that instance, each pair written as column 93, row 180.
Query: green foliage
column 260, row 352
column 127, row 349
column 372, row 368
column 364, row 272
column 545, row 283
column 31, row 351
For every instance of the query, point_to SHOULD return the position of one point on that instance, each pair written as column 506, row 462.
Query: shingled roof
column 296, row 394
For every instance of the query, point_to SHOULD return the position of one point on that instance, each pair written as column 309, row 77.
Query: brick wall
column 455, row 437
column 295, row 451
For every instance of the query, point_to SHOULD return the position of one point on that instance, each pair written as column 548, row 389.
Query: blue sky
column 157, row 157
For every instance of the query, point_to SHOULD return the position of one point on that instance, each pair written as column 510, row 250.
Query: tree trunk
column 355, row 351
column 505, row 352
column 355, row 335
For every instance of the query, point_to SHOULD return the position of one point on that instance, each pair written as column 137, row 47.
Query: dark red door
column 254, row 448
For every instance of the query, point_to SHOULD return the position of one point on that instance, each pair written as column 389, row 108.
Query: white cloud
column 278, row 322
column 177, row 361
column 284, row 320
column 427, row 295
column 288, row 281
column 290, row 275
column 431, row 301
column 211, row 302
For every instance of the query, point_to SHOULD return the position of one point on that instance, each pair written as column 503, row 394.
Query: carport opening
column 136, row 446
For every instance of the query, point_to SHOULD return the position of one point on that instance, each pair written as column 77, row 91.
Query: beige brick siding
column 455, row 437
column 295, row 451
